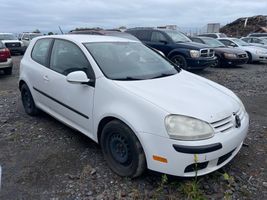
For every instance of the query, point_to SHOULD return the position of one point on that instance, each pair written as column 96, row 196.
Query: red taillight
column 4, row 55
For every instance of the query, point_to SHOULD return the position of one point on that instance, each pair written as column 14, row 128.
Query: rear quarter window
column 40, row 51
column 143, row 35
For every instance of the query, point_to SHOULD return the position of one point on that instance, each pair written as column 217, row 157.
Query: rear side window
column 143, row 35
column 67, row 57
column 40, row 51
column 157, row 37
column 246, row 39
column 226, row 42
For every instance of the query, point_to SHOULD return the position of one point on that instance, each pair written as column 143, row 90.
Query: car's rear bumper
column 201, row 63
column 17, row 49
column 7, row 64
column 211, row 154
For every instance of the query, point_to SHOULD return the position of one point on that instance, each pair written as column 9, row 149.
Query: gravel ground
column 43, row 159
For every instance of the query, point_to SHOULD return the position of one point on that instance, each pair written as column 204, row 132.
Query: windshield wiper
column 163, row 75
column 128, row 78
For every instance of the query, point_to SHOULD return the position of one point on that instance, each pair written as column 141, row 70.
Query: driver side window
column 66, row 57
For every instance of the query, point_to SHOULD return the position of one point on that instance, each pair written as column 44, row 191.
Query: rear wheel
column 122, row 150
column 27, row 101
column 8, row 71
column 180, row 61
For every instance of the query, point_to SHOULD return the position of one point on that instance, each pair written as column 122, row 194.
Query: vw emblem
column 237, row 121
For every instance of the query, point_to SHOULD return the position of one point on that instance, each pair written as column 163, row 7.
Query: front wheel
column 180, row 61
column 27, row 101
column 122, row 150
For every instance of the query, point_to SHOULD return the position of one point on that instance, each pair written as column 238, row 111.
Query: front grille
column 223, row 125
column 207, row 53
column 12, row 44
column 243, row 55
column 227, row 123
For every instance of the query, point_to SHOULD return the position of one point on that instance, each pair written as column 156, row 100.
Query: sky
column 46, row 15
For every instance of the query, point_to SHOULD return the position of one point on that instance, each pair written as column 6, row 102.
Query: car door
column 160, row 42
column 72, row 103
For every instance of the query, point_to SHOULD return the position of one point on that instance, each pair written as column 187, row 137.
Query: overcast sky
column 46, row 15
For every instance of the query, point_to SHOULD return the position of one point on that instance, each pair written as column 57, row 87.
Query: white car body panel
column 142, row 105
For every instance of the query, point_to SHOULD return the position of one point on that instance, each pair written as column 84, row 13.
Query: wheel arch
column 21, row 82
column 105, row 120
column 177, row 52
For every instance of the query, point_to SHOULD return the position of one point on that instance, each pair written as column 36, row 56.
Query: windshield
column 264, row 40
column 34, row 35
column 177, row 36
column 213, row 42
column 240, row 42
column 129, row 61
column 7, row 37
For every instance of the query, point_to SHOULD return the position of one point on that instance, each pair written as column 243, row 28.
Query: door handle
column 45, row 77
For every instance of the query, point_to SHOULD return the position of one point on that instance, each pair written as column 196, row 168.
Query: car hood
column 228, row 50
column 186, row 94
column 192, row 45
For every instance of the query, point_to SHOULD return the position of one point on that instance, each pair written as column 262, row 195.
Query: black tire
column 8, row 71
column 27, row 101
column 180, row 61
column 122, row 150
column 249, row 57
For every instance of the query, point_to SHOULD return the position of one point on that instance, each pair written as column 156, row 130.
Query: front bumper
column 201, row 62
column 238, row 61
column 7, row 64
column 259, row 57
column 182, row 164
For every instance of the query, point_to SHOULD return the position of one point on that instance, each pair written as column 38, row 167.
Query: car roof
column 6, row 34
column 82, row 38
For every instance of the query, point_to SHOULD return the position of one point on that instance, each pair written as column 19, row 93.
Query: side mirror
column 232, row 44
column 77, row 77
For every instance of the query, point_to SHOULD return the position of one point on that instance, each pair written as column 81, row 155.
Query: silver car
column 254, row 53
column 256, row 41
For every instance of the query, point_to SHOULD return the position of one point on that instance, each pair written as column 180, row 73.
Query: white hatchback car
column 143, row 110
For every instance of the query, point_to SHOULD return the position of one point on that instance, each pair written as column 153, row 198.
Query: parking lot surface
column 44, row 159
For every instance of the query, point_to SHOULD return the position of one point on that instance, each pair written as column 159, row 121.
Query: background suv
column 12, row 43
column 177, row 47
column 27, row 37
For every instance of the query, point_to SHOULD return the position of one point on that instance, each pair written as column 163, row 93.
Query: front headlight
column 194, row 53
column 187, row 128
column 230, row 55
